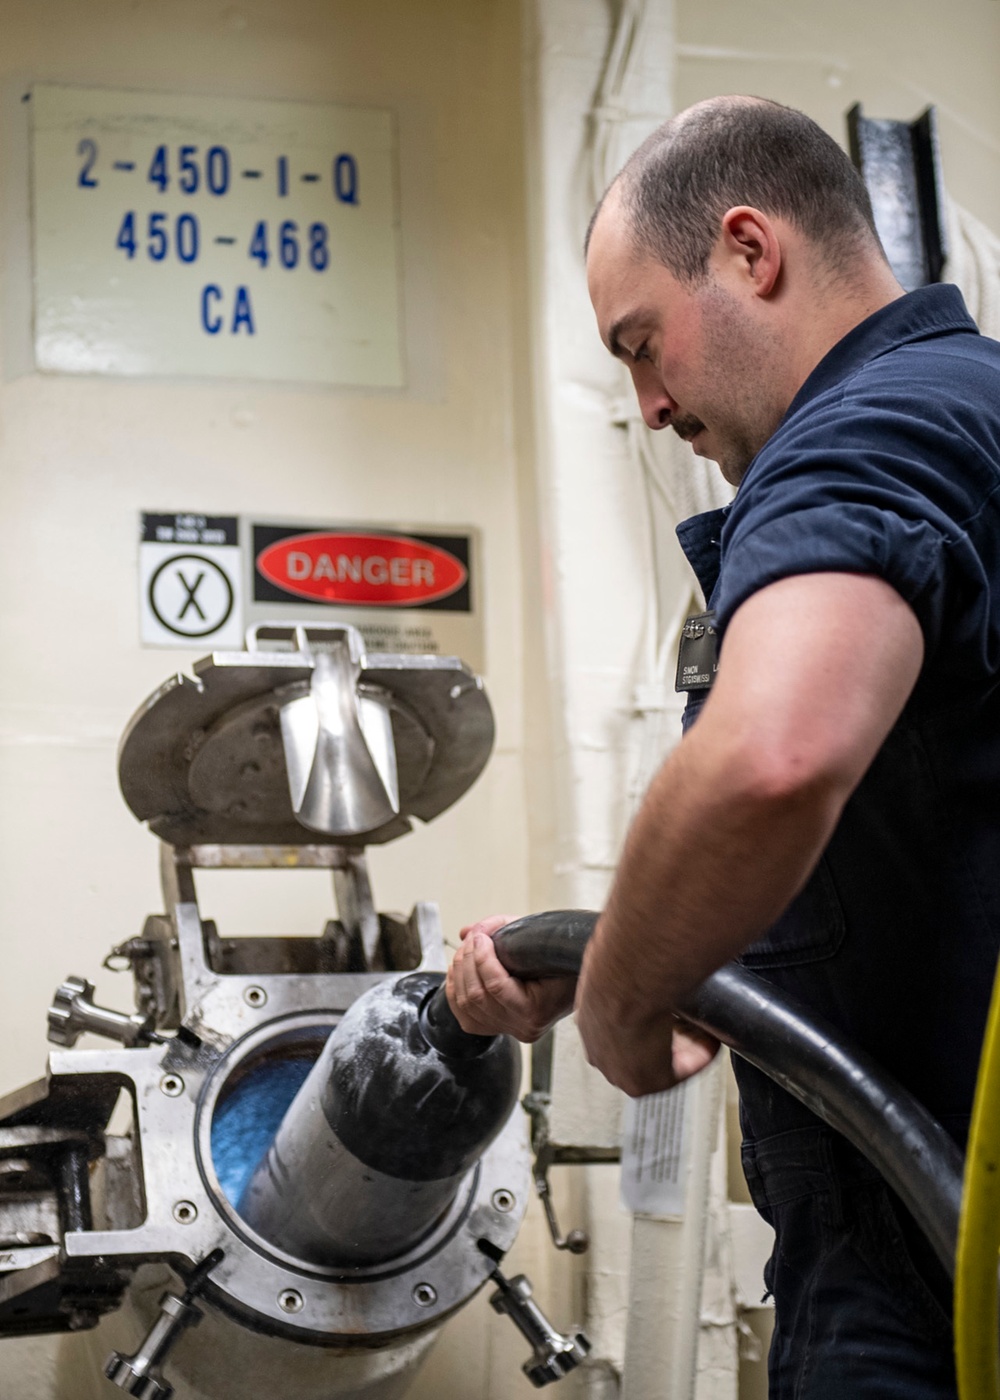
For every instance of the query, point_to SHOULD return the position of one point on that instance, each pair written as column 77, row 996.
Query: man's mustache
column 686, row 426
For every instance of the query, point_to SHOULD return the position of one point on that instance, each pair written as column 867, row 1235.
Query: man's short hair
column 677, row 186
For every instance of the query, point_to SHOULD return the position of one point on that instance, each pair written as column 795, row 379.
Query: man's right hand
column 487, row 1000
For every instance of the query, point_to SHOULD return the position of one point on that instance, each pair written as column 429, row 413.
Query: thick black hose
column 845, row 1087
column 838, row 1082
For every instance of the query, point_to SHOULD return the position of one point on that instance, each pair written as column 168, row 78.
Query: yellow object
column 977, row 1328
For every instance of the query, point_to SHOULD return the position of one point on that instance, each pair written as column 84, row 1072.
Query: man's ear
column 749, row 243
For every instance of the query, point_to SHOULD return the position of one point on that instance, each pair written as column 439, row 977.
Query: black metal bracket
column 50, row 1132
column 900, row 164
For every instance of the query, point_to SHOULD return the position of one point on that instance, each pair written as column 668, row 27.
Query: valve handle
column 73, row 1012
column 554, row 1354
column 140, row 1374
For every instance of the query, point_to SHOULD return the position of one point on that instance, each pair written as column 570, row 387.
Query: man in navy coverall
column 832, row 816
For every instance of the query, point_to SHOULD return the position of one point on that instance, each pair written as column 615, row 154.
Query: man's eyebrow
column 619, row 328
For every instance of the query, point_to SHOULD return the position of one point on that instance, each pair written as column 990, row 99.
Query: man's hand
column 488, row 1001
column 645, row 1057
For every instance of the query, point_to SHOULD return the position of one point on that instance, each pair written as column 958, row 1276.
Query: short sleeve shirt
column 887, row 463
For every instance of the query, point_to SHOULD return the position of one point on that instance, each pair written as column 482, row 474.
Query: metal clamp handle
column 73, row 1012
column 140, row 1374
column 554, row 1354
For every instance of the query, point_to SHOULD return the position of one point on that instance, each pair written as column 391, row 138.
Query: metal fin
column 339, row 751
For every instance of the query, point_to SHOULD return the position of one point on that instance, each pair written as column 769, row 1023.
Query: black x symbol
column 220, row 602
column 190, row 589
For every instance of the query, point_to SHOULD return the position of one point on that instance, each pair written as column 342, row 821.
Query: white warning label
column 655, row 1133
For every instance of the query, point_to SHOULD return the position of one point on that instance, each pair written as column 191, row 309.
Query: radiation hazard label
column 190, row 582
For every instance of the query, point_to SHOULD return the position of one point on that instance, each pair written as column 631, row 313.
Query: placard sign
column 406, row 589
column 179, row 235
column 190, row 581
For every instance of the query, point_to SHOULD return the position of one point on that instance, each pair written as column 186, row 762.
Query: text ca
column 223, row 312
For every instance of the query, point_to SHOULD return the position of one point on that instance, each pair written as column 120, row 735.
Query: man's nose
column 655, row 404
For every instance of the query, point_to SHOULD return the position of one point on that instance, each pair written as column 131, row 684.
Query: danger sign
column 361, row 568
column 372, row 570
column 406, row 588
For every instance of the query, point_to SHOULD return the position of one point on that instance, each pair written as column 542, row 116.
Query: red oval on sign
column 372, row 570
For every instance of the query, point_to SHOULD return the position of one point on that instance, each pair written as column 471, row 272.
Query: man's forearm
column 711, row 860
